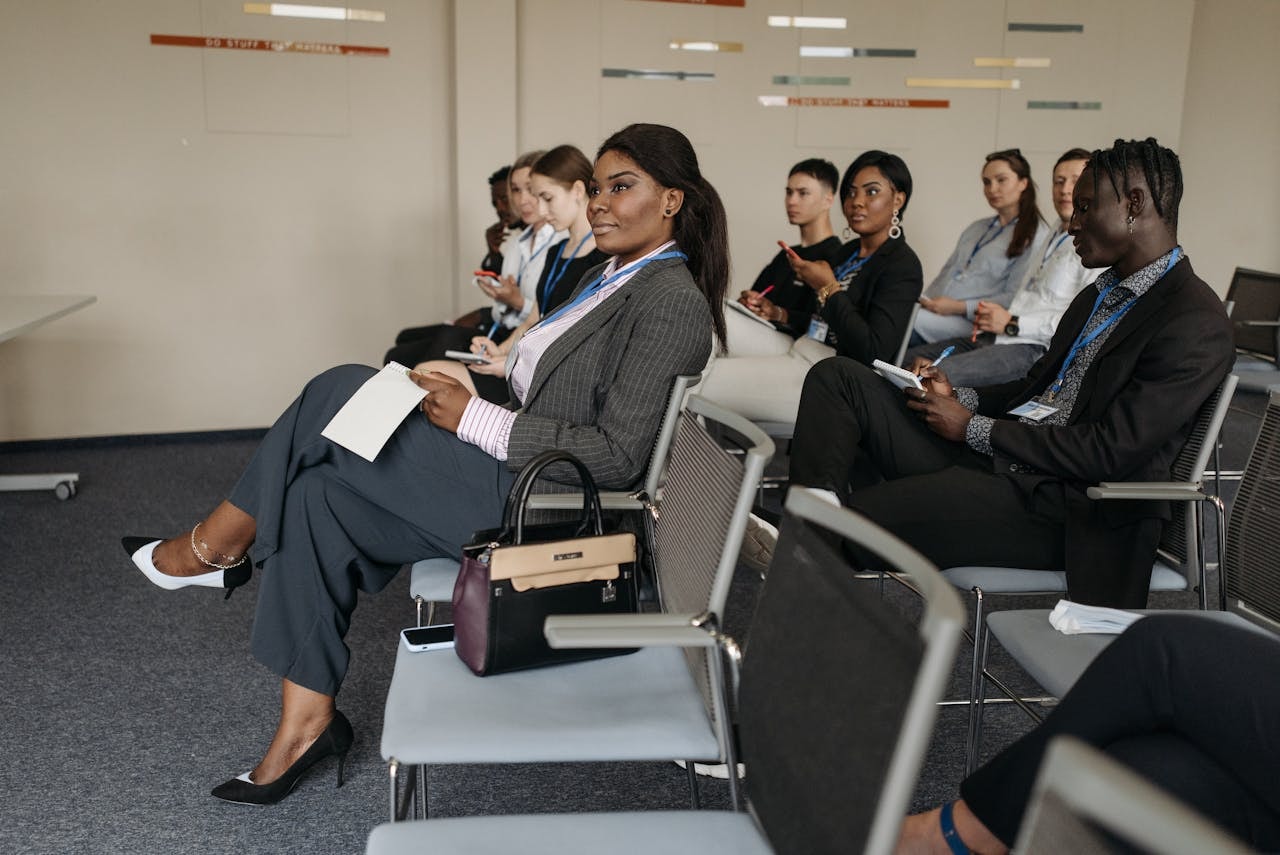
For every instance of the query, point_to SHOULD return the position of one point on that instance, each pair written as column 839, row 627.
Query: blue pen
column 941, row 356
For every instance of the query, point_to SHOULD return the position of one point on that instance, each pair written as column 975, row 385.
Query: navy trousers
column 331, row 524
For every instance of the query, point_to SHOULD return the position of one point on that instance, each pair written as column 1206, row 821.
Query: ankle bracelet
column 231, row 560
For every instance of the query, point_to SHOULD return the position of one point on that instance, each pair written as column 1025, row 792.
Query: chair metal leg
column 1197, row 514
column 393, row 770
column 1220, row 519
column 422, row 792
column 976, row 688
column 695, row 800
column 431, row 612
column 417, row 603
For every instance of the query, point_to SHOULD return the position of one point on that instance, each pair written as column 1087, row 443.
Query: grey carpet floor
column 122, row 705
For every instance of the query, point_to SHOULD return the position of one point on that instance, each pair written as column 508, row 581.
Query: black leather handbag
column 513, row 577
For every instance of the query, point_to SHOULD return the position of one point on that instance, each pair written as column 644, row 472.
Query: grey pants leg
column 331, row 524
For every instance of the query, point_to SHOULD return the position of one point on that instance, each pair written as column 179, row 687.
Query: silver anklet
column 205, row 561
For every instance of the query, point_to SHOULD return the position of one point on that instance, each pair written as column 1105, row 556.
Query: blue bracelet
column 949, row 832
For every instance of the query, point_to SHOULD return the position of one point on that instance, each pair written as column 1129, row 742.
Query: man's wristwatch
column 1011, row 328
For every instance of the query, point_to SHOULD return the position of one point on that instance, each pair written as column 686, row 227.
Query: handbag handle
column 518, row 498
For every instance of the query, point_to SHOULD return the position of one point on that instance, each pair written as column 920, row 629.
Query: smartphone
column 467, row 357
column 419, row 638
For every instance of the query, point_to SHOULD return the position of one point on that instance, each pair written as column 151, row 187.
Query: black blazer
column 869, row 319
column 1136, row 406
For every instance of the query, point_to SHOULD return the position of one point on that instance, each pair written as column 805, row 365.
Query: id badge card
column 1033, row 410
column 818, row 329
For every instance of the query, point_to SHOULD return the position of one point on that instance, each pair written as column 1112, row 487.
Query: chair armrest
column 573, row 501
column 1183, row 491
column 656, row 630
column 1257, row 323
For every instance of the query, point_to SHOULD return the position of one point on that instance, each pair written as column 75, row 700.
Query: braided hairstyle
column 1157, row 164
column 700, row 227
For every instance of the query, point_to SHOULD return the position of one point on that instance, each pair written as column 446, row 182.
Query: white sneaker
column 714, row 770
column 758, row 543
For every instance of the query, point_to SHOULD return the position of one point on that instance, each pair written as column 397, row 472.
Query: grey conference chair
column 1179, row 566
column 431, row 579
column 1249, row 575
column 654, row 704
column 1255, row 296
column 1084, row 801
column 837, row 701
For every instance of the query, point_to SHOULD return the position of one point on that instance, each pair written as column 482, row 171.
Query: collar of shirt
column 1137, row 283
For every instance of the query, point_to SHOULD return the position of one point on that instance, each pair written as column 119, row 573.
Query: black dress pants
column 1188, row 702
column 937, row 495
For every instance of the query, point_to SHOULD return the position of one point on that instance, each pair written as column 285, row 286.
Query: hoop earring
column 1129, row 221
column 847, row 234
column 895, row 226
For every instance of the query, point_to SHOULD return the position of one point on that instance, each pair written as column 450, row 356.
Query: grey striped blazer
column 600, row 390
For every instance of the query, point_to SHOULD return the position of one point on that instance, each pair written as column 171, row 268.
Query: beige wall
column 1231, row 140
column 247, row 219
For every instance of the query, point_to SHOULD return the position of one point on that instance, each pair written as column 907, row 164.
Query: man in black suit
column 997, row 475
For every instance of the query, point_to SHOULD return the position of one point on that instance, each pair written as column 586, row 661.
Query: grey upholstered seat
column 659, row 703
column 832, row 762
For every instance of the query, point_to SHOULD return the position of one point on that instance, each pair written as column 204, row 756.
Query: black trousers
column 1186, row 701
column 331, row 524
column 855, row 436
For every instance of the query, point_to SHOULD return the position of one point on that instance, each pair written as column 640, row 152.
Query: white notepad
column 900, row 377
column 369, row 417
column 741, row 309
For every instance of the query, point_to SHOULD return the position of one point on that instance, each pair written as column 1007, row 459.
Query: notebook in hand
column 900, row 377
column 741, row 309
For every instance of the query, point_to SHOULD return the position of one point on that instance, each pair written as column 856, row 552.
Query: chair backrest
column 666, row 432
column 1252, row 574
column 1084, row 801
column 1256, row 299
column 906, row 336
column 701, row 518
column 1180, row 544
column 839, row 689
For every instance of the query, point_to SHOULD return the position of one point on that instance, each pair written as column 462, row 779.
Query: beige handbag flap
column 544, row 565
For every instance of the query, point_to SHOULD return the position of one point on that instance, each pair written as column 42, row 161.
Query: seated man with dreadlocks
column 996, row 476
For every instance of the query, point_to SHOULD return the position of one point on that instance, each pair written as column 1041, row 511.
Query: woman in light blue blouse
column 991, row 256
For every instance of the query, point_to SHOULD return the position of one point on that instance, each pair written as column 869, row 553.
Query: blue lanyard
column 1051, row 247
column 851, row 265
column 1083, row 340
column 557, row 271
column 984, row 240
column 529, row 260
column 600, row 282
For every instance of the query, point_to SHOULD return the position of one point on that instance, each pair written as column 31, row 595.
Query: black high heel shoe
column 140, row 549
column 334, row 739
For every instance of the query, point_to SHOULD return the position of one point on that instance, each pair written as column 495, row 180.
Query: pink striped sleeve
column 486, row 425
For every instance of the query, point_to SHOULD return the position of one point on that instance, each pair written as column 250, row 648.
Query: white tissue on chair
column 1074, row 618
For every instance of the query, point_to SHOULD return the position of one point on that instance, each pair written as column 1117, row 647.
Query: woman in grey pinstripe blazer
column 323, row 524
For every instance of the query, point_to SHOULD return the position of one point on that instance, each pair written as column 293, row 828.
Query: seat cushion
column 432, row 579
column 642, row 706
column 1007, row 580
column 1056, row 660
column 635, row 833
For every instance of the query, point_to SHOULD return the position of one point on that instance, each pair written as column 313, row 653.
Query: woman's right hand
column 816, row 274
column 504, row 290
column 762, row 306
column 484, row 346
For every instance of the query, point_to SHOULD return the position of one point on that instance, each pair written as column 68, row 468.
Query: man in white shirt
column 1007, row 342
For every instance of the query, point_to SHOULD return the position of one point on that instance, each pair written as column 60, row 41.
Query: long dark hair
column 700, row 227
column 1024, row 231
